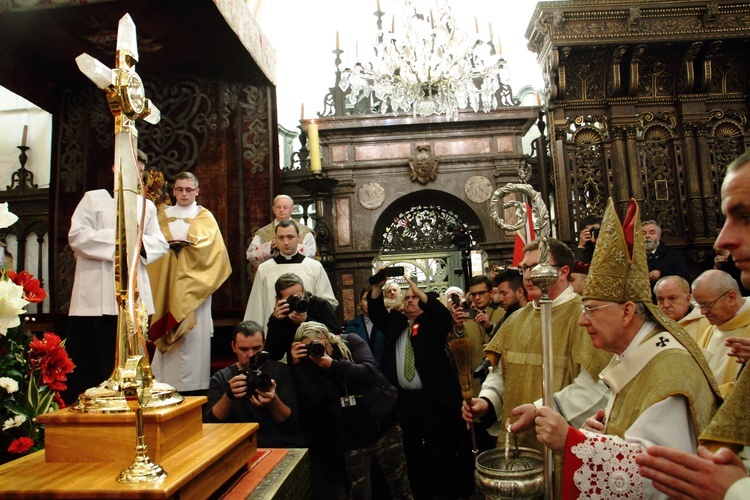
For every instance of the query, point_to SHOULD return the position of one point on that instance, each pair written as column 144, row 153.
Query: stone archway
column 419, row 231
column 423, row 221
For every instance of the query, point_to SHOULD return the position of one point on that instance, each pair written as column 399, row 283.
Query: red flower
column 39, row 348
column 55, row 369
column 49, row 357
column 32, row 288
column 20, row 445
column 34, row 292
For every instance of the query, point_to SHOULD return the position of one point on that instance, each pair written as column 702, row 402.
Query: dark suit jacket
column 669, row 261
column 439, row 379
column 376, row 340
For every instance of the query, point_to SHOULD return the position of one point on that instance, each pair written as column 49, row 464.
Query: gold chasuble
column 519, row 345
column 202, row 266
column 672, row 372
column 731, row 424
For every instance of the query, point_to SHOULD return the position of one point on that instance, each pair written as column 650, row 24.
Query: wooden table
column 194, row 471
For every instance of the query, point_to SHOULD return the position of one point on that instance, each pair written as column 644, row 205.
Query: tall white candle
column 313, row 141
column 25, row 133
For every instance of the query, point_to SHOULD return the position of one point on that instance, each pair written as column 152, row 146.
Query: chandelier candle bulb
column 337, row 39
column 490, row 26
column 25, row 133
column 476, row 24
column 432, row 20
column 313, row 140
column 377, row 2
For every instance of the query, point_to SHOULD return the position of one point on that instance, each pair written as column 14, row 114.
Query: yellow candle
column 476, row 24
column 432, row 20
column 313, row 141
column 25, row 132
column 377, row 2
column 302, row 112
column 538, row 98
column 337, row 39
column 490, row 25
column 498, row 48
column 393, row 24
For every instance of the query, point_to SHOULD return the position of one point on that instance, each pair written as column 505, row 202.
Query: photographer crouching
column 348, row 408
column 294, row 306
column 256, row 389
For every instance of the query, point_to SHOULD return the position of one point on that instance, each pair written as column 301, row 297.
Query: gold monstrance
column 127, row 101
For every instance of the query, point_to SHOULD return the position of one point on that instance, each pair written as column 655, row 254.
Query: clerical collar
column 566, row 295
column 294, row 259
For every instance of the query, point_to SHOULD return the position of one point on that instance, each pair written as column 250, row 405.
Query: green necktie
column 409, row 368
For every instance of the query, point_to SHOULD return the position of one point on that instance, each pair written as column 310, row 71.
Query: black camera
column 594, row 232
column 316, row 349
column 298, row 304
column 470, row 313
column 482, row 370
column 256, row 380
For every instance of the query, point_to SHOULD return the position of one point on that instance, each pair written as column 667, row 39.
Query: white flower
column 11, row 305
column 14, row 422
column 8, row 384
column 7, row 218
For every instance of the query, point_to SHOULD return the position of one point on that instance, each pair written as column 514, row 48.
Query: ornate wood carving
column 679, row 68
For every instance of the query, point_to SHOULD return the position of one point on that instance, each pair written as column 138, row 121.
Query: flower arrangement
column 33, row 370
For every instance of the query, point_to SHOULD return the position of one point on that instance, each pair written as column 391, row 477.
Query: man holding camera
column 587, row 239
column 260, row 305
column 295, row 306
column 256, row 390
column 477, row 323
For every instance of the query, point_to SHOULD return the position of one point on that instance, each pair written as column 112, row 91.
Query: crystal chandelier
column 428, row 66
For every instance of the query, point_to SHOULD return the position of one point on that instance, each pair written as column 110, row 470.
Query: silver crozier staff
column 543, row 276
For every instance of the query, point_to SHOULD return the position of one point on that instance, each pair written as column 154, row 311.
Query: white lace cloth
column 609, row 469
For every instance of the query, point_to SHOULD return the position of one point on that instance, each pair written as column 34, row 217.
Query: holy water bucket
column 522, row 477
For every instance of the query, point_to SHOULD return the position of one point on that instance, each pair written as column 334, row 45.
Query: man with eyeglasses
column 717, row 295
column 674, row 299
column 478, row 322
column 183, row 283
column 661, row 389
column 515, row 383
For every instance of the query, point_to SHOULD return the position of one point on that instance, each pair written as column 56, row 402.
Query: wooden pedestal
column 99, row 437
column 85, row 454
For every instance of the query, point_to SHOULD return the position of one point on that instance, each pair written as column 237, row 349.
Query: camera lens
column 316, row 350
column 298, row 304
column 261, row 382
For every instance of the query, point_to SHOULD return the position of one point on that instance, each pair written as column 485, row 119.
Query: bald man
column 717, row 295
column 674, row 299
